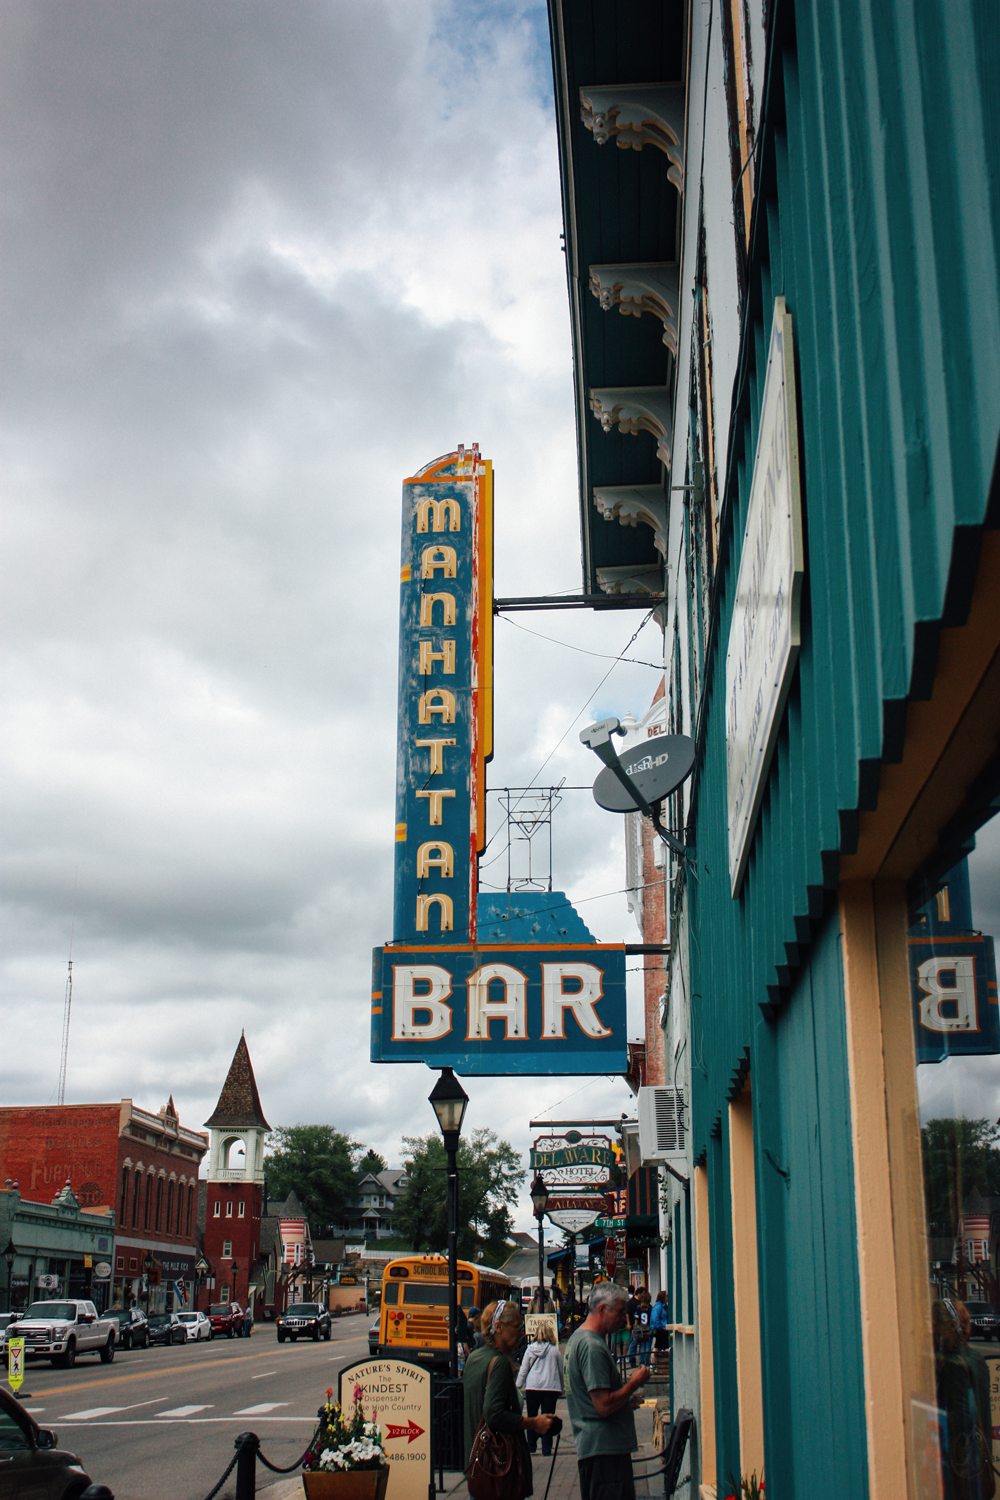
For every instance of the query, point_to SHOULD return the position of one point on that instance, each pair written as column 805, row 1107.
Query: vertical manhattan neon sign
column 445, row 714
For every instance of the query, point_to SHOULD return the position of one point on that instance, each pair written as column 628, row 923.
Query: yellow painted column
column 888, row 1187
column 747, row 1297
column 706, row 1351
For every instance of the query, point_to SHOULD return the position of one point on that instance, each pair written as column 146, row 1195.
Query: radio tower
column 67, row 1007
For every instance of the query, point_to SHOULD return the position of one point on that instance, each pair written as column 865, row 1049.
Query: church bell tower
column 234, row 1199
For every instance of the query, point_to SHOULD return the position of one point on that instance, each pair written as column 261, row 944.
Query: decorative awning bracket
column 637, row 115
column 637, row 288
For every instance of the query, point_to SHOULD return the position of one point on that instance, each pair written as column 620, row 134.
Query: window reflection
column 953, row 987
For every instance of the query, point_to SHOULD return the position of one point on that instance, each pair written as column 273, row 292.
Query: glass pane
column 954, row 995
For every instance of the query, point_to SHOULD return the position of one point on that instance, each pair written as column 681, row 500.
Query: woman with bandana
column 490, row 1382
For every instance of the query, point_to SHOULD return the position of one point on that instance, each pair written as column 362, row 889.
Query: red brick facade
column 232, row 1236
column 141, row 1165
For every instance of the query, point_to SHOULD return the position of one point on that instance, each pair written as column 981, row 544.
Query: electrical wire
column 606, row 656
column 645, row 621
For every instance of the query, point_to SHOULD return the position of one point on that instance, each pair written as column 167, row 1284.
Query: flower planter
column 349, row 1484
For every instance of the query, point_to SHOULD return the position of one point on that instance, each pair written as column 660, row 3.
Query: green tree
column 371, row 1162
column 489, row 1175
column 315, row 1162
column 959, row 1155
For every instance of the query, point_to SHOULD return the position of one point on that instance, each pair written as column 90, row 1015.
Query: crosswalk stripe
column 92, row 1411
column 183, row 1411
column 257, row 1411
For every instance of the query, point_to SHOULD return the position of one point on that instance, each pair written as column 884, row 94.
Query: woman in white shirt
column 540, row 1377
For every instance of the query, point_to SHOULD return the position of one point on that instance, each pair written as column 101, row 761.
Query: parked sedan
column 133, row 1330
column 197, row 1326
column 30, row 1461
column 373, row 1337
column 308, row 1320
column 983, row 1320
column 166, row 1328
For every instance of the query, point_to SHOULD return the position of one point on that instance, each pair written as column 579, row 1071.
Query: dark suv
column 983, row 1320
column 225, row 1317
column 306, row 1320
column 133, row 1329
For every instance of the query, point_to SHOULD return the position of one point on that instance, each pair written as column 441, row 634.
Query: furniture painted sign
column 445, row 713
column 764, row 634
column 493, row 1010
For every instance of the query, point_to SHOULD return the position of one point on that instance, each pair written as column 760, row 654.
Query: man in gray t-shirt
column 600, row 1405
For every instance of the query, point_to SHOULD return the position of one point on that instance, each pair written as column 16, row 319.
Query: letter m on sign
column 438, row 512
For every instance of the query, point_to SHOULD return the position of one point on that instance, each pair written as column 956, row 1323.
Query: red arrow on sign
column 410, row 1431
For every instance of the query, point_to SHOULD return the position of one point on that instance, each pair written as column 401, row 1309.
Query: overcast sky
column 262, row 262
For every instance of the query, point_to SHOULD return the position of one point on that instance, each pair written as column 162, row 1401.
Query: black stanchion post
column 248, row 1444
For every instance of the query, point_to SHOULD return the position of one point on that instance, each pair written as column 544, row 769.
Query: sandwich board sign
column 15, row 1363
column 400, row 1393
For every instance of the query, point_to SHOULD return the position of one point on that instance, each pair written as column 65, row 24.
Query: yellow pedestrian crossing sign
column 15, row 1363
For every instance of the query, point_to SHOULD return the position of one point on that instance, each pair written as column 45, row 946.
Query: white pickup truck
column 59, row 1331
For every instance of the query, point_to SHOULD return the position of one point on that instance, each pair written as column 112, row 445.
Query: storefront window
column 953, row 922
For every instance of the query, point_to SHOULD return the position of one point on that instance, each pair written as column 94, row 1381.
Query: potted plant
column 345, row 1460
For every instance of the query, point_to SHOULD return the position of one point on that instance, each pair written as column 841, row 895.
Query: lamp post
column 9, row 1255
column 235, row 1270
column 539, row 1199
column 147, row 1266
column 202, row 1270
column 449, row 1102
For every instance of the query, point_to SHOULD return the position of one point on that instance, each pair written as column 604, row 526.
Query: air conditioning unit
column 662, row 1131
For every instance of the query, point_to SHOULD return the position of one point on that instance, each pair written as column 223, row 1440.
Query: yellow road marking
column 93, row 1385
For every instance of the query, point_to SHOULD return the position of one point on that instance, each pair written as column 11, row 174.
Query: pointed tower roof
column 239, row 1102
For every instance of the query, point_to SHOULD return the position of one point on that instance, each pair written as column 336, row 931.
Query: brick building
column 645, row 877
column 118, row 1157
column 235, row 1187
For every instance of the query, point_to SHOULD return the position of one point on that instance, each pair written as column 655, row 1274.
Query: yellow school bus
column 414, row 1316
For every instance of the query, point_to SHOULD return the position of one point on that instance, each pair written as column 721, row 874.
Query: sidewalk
column 565, row 1481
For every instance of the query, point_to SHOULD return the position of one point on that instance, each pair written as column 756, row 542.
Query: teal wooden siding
column 877, row 217
column 808, row 1275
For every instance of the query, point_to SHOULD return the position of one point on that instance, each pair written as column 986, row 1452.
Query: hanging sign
column 498, row 1010
column 764, row 633
column 560, row 1201
column 445, row 708
column 401, row 1396
column 574, row 1220
column 583, row 1155
column 610, row 1256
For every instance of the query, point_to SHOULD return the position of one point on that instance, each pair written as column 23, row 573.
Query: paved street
column 161, row 1422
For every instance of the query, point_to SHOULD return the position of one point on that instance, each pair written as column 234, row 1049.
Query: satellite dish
column 657, row 768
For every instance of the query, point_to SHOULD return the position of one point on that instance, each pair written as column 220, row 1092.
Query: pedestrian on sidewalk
column 490, row 1385
column 600, row 1405
column 658, row 1323
column 540, row 1378
column 248, row 1319
column 631, row 1317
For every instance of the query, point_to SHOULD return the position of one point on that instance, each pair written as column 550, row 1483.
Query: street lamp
column 235, row 1269
column 539, row 1199
column 202, row 1270
column 147, row 1266
column 449, row 1102
column 9, row 1255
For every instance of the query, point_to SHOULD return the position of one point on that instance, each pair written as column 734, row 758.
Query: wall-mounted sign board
column 764, row 632
column 498, row 1010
